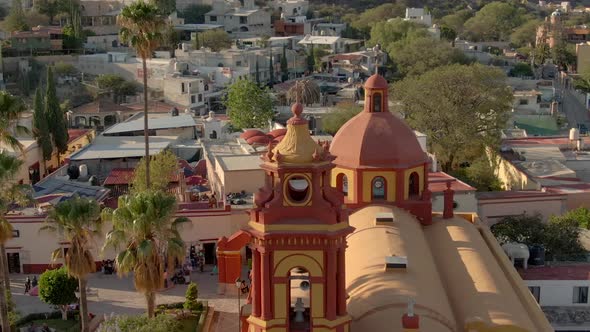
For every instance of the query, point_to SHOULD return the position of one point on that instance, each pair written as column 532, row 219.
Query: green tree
column 522, row 228
column 164, row 167
column 144, row 229
column 16, row 20
column 41, row 129
column 271, row 71
column 480, row 175
column 417, row 56
column 367, row 19
column 284, row 66
column 50, row 8
column 456, row 21
column 11, row 193
column 461, row 108
column 541, row 53
column 78, row 222
column 141, row 26
column 57, row 288
column 521, row 69
column 192, row 297
column 583, row 81
column 257, row 73
column 166, row 7
column 64, row 69
column 117, row 86
column 387, row 34
column 249, row 105
column 310, row 59
column 563, row 54
column 216, row 40
column 335, row 119
column 447, row 33
column 494, row 22
column 581, row 216
column 55, row 116
column 195, row 14
column 525, row 34
column 11, row 109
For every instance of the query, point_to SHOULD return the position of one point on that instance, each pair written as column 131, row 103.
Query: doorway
column 209, row 249
column 13, row 262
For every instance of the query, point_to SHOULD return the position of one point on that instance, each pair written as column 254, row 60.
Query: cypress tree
column 284, row 65
column 55, row 116
column 41, row 128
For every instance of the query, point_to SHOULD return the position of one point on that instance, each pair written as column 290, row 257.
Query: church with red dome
column 343, row 238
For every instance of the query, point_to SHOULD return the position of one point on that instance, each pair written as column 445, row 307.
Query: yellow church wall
column 350, row 176
column 280, row 295
column 317, row 300
column 420, row 171
column 311, row 260
column 367, row 184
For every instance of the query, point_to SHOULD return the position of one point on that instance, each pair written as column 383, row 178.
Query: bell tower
column 298, row 234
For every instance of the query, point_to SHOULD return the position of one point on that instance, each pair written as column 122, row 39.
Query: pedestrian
column 27, row 285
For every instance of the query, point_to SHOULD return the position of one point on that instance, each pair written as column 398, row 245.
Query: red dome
column 261, row 140
column 251, row 133
column 278, row 132
column 377, row 140
column 376, row 82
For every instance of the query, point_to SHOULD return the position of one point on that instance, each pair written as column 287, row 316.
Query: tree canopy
column 456, row 21
column 367, row 19
column 249, row 106
column 117, row 86
column 41, row 128
column 163, row 167
column 525, row 34
column 417, row 56
column 336, row 118
column 216, row 40
column 16, row 19
column 388, row 33
column 559, row 236
column 194, row 14
column 57, row 288
column 460, row 108
column 494, row 22
column 55, row 115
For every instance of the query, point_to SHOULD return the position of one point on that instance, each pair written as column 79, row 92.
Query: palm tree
column 305, row 91
column 10, row 110
column 78, row 221
column 10, row 193
column 144, row 228
column 141, row 26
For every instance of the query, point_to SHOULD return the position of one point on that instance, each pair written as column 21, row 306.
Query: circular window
column 304, row 285
column 378, row 184
column 298, row 189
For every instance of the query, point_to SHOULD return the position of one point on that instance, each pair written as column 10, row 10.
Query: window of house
column 377, row 102
column 238, row 63
column 200, row 97
column 15, row 233
column 213, row 18
column 536, row 291
column 524, row 102
column 414, row 185
column 206, row 87
column 193, row 99
column 182, row 87
column 243, row 20
column 580, row 295
column 378, row 188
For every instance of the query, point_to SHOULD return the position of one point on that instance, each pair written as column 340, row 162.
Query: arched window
column 342, row 183
column 414, row 185
column 377, row 102
column 378, row 188
column 213, row 135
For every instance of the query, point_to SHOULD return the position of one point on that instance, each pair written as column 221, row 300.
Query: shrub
column 161, row 323
column 57, row 288
column 192, row 294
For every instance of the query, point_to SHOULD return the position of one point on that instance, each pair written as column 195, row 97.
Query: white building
column 188, row 92
column 418, row 15
column 335, row 44
column 240, row 22
column 290, row 7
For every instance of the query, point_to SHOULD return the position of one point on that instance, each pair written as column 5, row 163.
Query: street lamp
column 239, row 286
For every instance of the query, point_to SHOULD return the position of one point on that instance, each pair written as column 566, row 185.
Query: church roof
column 376, row 139
column 456, row 275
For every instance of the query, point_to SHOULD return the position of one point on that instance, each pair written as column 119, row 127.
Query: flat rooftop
column 239, row 163
column 105, row 147
column 155, row 121
column 566, row 272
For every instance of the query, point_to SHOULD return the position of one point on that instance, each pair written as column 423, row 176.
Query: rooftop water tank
column 83, row 171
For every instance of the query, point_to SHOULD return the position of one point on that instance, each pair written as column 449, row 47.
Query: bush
column 161, row 323
column 45, row 315
column 192, row 294
column 57, row 288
